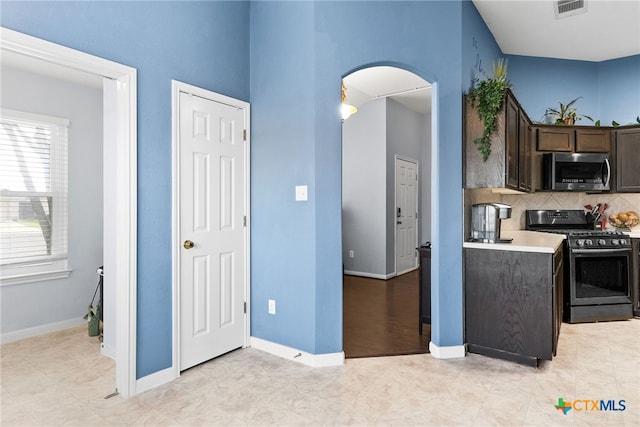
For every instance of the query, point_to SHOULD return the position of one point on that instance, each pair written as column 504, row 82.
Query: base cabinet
column 513, row 306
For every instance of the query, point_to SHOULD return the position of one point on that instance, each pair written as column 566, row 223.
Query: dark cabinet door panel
column 509, row 302
column 627, row 159
column 593, row 140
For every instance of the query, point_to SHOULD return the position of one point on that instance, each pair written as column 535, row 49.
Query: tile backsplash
column 546, row 200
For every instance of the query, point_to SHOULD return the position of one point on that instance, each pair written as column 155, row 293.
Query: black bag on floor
column 93, row 313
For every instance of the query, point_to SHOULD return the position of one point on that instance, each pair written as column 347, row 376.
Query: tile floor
column 61, row 379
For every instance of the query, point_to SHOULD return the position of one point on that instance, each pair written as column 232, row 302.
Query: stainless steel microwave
column 576, row 171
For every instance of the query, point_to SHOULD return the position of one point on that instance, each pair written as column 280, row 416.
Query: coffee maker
column 486, row 219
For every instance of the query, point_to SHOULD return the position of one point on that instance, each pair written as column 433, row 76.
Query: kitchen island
column 513, row 296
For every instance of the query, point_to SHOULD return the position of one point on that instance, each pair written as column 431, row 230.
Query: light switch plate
column 301, row 193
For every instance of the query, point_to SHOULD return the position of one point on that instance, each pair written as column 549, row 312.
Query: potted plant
column 565, row 114
column 488, row 96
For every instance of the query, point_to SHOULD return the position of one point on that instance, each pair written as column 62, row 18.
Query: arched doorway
column 383, row 218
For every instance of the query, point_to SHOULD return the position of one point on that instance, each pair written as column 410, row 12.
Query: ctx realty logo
column 590, row 405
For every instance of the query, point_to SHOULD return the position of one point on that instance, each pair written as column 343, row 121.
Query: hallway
column 381, row 317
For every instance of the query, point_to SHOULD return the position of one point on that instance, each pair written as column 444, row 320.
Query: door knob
column 399, row 222
column 188, row 244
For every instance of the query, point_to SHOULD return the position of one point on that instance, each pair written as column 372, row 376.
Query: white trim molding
column 370, row 275
column 125, row 140
column 35, row 331
column 448, row 352
column 314, row 360
column 155, row 380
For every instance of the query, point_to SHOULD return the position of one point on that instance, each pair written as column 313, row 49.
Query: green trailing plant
column 566, row 114
column 488, row 97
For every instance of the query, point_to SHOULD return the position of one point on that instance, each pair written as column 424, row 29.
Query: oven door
column 600, row 276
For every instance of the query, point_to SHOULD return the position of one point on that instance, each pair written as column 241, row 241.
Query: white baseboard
column 314, row 360
column 155, row 380
column 370, row 275
column 41, row 330
column 108, row 351
column 407, row 271
column 448, row 352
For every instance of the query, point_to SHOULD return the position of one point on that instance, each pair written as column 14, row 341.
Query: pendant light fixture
column 346, row 110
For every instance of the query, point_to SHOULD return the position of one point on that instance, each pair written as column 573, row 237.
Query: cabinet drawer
column 593, row 140
column 556, row 139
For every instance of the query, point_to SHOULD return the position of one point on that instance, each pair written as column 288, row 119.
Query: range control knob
column 588, row 242
column 615, row 242
column 623, row 242
column 602, row 242
column 580, row 242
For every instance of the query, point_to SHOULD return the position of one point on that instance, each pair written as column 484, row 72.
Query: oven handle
column 601, row 251
column 606, row 183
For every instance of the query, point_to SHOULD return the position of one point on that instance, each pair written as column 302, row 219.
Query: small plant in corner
column 488, row 96
column 565, row 114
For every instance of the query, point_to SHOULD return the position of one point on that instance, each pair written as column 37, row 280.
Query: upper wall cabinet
column 574, row 139
column 556, row 138
column 627, row 154
column 593, row 140
column 509, row 164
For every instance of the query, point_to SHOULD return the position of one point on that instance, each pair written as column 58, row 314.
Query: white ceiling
column 608, row 29
column 403, row 86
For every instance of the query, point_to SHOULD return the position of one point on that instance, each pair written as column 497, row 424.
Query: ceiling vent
column 566, row 8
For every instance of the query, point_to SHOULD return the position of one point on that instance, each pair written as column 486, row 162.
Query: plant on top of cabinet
column 616, row 124
column 488, row 95
column 566, row 114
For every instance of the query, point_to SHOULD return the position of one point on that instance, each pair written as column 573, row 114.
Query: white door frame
column 124, row 238
column 176, row 88
column 395, row 207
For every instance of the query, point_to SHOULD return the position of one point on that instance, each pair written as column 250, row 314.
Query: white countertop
column 523, row 241
column 634, row 233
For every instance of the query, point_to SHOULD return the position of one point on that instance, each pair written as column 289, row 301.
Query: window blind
column 33, row 189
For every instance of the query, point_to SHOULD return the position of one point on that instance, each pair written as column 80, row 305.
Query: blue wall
column 609, row 90
column 479, row 49
column 299, row 53
column 283, row 235
column 619, row 90
column 539, row 83
column 164, row 41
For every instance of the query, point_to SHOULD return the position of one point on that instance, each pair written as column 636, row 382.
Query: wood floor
column 381, row 317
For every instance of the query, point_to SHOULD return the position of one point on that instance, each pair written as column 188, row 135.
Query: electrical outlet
column 351, row 254
column 301, row 193
column 272, row 306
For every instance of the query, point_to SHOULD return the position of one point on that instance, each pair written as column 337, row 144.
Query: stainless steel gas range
column 598, row 266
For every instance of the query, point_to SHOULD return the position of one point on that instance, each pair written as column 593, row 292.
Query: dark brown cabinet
column 425, row 286
column 558, row 289
column 574, row 139
column 593, row 140
column 509, row 164
column 556, row 138
column 627, row 153
column 513, row 303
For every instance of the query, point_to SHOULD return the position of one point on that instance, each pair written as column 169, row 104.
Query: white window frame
column 54, row 266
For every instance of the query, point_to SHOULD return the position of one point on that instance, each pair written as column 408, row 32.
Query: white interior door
column 406, row 212
column 212, row 235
